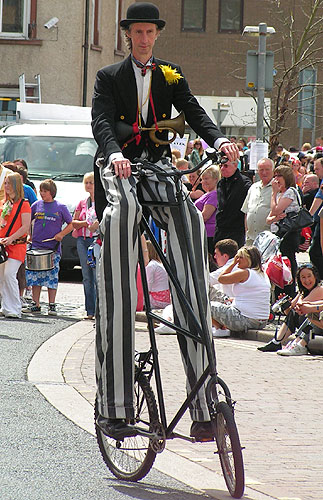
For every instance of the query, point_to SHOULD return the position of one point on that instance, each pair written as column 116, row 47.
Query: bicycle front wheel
column 229, row 449
column 132, row 458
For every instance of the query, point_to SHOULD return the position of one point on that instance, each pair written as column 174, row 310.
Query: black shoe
column 202, row 431
column 115, row 428
column 270, row 347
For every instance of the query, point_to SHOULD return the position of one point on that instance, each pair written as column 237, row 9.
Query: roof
column 47, row 130
column 234, row 111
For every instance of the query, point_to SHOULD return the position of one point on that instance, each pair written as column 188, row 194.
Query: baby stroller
column 276, row 266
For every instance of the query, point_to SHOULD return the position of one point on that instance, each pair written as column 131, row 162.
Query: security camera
column 51, row 23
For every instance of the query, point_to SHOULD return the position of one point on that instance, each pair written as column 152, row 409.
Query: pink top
column 88, row 214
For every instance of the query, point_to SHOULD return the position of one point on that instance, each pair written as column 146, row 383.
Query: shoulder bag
column 294, row 221
column 3, row 251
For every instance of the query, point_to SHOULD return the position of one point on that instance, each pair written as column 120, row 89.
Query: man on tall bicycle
column 140, row 91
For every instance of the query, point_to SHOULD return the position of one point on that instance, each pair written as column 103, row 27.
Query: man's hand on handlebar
column 231, row 151
column 122, row 168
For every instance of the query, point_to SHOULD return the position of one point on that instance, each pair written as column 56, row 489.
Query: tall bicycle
column 131, row 458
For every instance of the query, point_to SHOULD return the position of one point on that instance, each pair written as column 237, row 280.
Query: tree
column 299, row 26
column 297, row 47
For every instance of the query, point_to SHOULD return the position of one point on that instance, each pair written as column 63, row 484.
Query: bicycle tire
column 132, row 458
column 229, row 449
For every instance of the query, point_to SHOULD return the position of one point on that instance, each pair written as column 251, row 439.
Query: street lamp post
column 261, row 81
column 261, row 75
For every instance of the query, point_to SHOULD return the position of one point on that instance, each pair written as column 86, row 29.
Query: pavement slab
column 67, row 380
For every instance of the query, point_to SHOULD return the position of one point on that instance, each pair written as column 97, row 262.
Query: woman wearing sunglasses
column 308, row 303
column 198, row 151
column 284, row 201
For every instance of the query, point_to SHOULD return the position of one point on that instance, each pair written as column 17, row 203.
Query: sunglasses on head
column 306, row 266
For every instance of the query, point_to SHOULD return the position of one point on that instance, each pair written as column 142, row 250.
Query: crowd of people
column 235, row 210
column 31, row 228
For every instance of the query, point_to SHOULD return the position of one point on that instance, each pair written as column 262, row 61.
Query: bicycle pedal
column 205, row 440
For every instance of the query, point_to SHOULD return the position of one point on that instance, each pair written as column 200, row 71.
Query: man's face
column 143, row 37
column 220, row 258
column 189, row 148
column 229, row 168
column 265, row 171
column 318, row 168
column 309, row 183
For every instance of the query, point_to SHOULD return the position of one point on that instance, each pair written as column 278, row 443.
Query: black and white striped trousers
column 117, row 292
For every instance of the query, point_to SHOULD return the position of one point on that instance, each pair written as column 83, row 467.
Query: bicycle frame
column 200, row 323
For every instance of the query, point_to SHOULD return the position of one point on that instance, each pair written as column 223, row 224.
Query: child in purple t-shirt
column 48, row 217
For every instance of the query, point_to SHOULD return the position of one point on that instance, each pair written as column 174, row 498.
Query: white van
column 56, row 142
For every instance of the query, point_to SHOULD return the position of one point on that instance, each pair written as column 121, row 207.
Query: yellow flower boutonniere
column 170, row 74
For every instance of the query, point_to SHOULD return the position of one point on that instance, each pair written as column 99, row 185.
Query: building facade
column 203, row 36
column 206, row 38
column 63, row 42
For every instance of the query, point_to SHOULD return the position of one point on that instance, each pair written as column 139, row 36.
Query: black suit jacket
column 115, row 99
column 231, row 193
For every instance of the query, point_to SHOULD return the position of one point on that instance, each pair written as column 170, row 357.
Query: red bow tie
column 144, row 67
column 149, row 66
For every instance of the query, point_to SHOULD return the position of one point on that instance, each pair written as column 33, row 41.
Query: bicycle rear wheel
column 132, row 458
column 229, row 449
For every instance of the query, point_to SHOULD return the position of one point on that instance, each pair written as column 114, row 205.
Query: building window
column 12, row 17
column 231, row 16
column 18, row 18
column 193, row 15
column 8, row 105
column 96, row 22
column 119, row 32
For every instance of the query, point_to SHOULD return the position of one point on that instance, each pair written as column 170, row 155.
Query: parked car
column 56, row 141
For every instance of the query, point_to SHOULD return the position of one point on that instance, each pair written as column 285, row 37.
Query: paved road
column 43, row 454
column 278, row 410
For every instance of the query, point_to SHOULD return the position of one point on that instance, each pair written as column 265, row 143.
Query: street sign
column 307, row 98
column 252, row 70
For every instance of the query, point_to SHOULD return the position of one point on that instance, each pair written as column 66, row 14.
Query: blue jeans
column 88, row 273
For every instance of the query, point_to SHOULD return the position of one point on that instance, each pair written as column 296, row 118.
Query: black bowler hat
column 142, row 12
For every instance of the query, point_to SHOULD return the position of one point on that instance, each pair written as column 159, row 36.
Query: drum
column 39, row 260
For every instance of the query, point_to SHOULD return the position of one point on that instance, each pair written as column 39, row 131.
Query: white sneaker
column 295, row 349
column 287, row 346
column 28, row 294
column 23, row 302
column 165, row 330
column 220, row 332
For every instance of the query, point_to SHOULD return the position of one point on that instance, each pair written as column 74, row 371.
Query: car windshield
column 64, row 158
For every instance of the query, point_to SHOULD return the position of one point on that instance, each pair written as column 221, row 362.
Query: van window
column 51, row 157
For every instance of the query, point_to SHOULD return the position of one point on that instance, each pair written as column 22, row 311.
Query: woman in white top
column 250, row 307
column 157, row 279
column 285, row 200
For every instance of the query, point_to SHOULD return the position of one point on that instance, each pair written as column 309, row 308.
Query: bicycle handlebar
column 140, row 165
